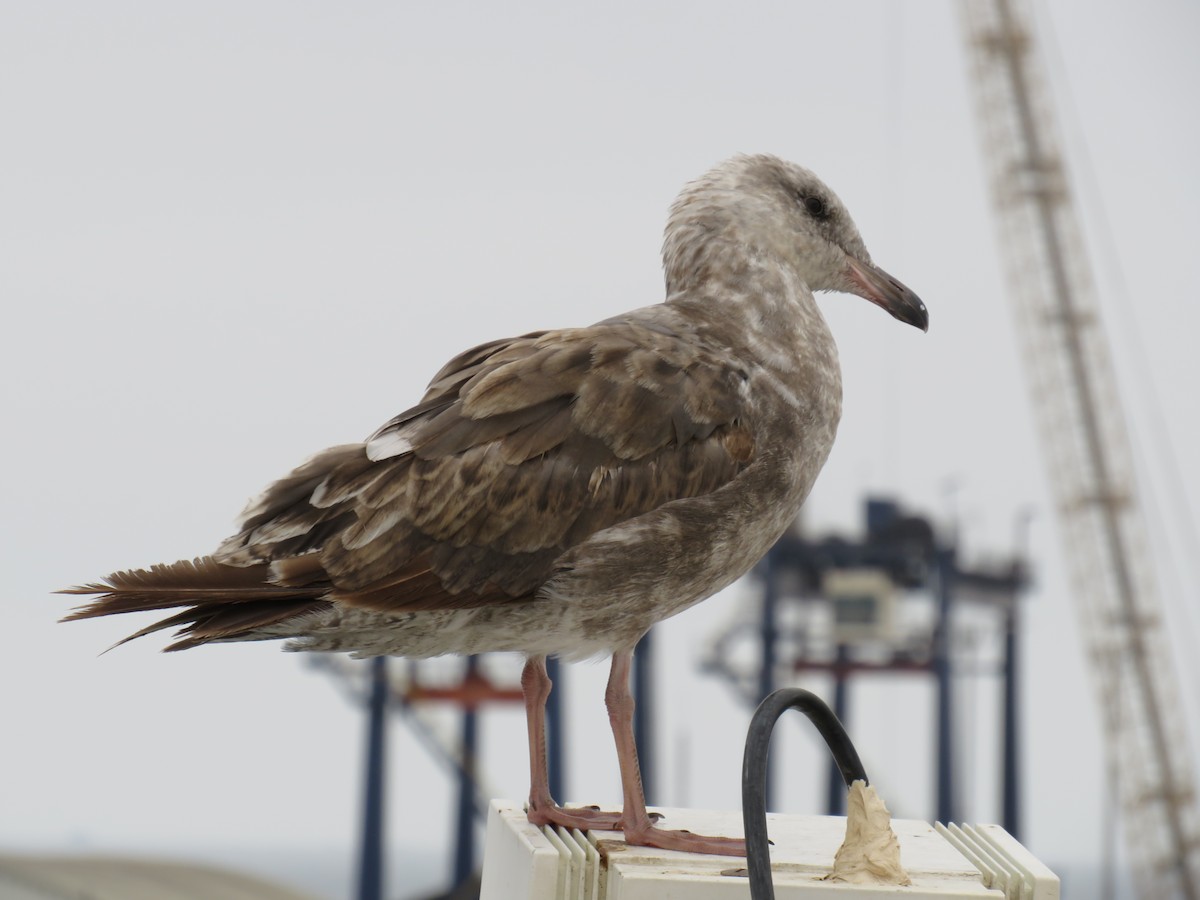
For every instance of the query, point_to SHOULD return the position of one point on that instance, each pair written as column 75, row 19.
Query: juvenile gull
column 560, row 492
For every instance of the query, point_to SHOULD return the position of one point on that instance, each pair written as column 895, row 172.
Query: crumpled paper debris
column 871, row 853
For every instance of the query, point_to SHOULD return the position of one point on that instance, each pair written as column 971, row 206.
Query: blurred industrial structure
column 1087, row 452
column 898, row 600
column 382, row 686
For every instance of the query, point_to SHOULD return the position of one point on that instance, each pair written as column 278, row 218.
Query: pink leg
column 639, row 827
column 543, row 810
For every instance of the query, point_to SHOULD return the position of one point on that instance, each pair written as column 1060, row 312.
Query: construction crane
column 1087, row 451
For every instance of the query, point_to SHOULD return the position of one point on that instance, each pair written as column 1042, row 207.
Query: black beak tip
column 912, row 312
column 921, row 317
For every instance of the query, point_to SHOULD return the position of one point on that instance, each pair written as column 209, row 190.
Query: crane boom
column 1087, row 451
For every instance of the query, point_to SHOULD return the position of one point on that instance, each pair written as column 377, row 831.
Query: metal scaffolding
column 893, row 602
column 1087, row 450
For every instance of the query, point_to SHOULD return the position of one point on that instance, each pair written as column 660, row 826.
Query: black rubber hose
column 754, row 773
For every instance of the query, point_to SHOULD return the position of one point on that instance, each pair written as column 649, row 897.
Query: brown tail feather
column 244, row 622
column 224, row 602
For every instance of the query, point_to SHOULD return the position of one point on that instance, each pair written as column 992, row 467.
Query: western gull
column 560, row 492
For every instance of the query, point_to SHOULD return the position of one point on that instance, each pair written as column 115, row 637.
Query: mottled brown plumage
column 560, row 492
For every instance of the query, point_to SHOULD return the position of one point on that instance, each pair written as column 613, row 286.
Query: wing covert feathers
column 520, row 450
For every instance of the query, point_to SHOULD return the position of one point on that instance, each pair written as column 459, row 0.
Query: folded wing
column 520, row 450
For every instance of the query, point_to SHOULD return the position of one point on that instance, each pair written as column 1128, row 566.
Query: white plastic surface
column 525, row 862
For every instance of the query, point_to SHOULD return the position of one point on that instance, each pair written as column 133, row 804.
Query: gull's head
column 764, row 207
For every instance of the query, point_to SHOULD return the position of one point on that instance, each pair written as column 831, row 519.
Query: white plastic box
column 525, row 862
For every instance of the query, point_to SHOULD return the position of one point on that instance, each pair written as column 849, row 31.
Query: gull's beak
column 883, row 290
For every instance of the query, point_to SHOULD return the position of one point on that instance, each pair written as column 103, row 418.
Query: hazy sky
column 232, row 234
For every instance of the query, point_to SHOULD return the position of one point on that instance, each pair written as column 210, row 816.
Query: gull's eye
column 817, row 208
